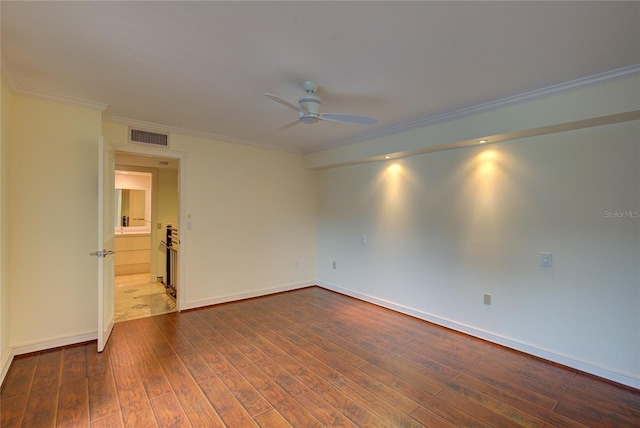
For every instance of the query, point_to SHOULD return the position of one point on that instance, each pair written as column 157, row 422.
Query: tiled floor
column 136, row 297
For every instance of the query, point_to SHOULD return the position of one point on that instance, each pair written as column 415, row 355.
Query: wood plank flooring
column 306, row 358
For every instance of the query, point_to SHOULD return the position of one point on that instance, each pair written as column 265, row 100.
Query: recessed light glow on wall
column 394, row 168
column 483, row 141
column 387, row 157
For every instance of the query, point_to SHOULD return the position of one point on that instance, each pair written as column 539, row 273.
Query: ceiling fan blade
column 348, row 118
column 289, row 124
column 285, row 103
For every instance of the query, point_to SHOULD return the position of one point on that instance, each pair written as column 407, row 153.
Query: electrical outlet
column 546, row 260
column 334, row 265
column 487, row 299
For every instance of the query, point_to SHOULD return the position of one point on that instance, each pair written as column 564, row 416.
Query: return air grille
column 146, row 137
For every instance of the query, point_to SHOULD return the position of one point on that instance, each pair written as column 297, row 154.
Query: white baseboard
column 612, row 375
column 241, row 296
column 54, row 343
column 93, row 335
column 5, row 363
column 27, row 348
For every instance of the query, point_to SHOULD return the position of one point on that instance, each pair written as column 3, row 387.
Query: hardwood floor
column 306, row 358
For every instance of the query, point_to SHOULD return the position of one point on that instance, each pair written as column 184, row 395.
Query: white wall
column 53, row 221
column 445, row 228
column 253, row 215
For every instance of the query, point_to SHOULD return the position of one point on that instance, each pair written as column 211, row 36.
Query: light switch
column 487, row 299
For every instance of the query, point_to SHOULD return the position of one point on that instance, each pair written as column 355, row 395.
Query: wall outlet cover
column 546, row 260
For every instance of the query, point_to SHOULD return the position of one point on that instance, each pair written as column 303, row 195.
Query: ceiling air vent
column 146, row 137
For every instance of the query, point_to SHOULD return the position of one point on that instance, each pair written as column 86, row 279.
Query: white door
column 106, row 241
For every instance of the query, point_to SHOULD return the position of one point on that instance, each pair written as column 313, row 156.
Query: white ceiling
column 204, row 66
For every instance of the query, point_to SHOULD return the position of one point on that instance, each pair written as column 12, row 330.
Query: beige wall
column 253, row 213
column 166, row 213
column 253, row 216
column 5, row 351
column 53, row 220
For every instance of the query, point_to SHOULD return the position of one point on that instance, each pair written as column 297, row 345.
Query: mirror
column 130, row 207
column 133, row 201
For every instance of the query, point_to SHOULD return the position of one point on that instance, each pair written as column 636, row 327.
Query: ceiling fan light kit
column 308, row 109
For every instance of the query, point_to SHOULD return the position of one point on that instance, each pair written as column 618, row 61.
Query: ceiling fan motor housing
column 311, row 104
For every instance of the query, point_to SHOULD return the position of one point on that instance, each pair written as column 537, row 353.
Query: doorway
column 146, row 205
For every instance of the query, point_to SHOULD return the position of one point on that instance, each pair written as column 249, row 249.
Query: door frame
column 181, row 157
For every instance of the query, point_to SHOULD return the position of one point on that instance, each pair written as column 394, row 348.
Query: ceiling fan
column 308, row 109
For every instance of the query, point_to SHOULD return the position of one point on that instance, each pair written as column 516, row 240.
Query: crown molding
column 597, row 79
column 79, row 102
column 7, row 77
column 608, row 76
column 151, row 126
